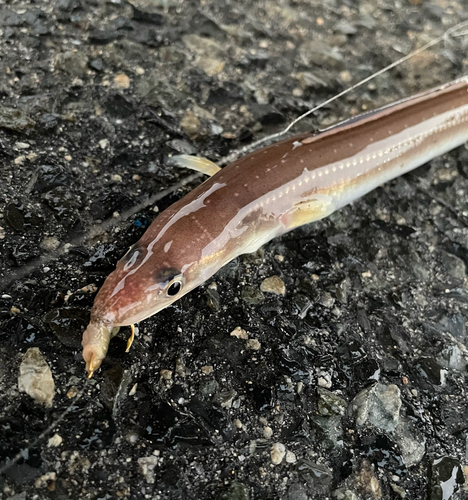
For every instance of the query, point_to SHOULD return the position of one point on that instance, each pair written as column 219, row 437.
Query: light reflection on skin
column 192, row 207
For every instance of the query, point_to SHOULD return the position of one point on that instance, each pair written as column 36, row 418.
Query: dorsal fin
column 197, row 163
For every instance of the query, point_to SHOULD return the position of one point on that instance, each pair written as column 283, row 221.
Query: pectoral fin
column 195, row 163
column 309, row 210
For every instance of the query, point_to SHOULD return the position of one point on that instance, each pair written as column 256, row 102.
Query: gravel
column 330, row 364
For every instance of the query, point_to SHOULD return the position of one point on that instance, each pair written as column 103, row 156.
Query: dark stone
column 110, row 203
column 256, row 59
column 103, row 258
column 63, row 202
column 227, row 95
column 236, row 491
column 14, row 217
column 37, row 19
column 24, row 252
column 165, row 425
column 430, row 370
column 212, row 299
column 68, row 5
column 97, row 64
column 212, row 417
column 147, row 17
column 48, row 177
column 297, row 491
column 267, row 114
column 14, row 119
column 318, row 477
column 103, row 37
column 295, row 363
column 119, row 106
column 68, row 324
column 49, row 120
column 455, row 325
column 207, row 27
column 97, row 434
column 446, row 477
column 112, row 379
column 10, row 18
column 383, row 453
column 261, row 397
column 252, row 295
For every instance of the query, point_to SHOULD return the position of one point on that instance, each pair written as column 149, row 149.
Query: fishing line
column 246, row 149
column 95, row 231
column 25, row 451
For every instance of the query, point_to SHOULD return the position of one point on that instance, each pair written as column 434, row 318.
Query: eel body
column 267, row 193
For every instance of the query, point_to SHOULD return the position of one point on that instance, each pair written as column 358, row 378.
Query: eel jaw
column 95, row 343
column 92, row 363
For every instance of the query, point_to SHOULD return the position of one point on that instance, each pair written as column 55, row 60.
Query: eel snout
column 95, row 343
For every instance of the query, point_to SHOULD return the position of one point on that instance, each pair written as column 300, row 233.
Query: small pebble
column 54, row 441
column 273, row 284
column 35, row 377
column 72, row 392
column 253, row 344
column 239, row 333
column 207, row 370
column 398, row 490
column 277, row 453
column 166, row 374
column 50, row 243
column 291, row 457
column 91, row 288
column 238, row 423
column 122, row 81
column 104, row 143
column 132, row 437
column 45, row 480
column 323, row 382
column 191, row 125
column 116, row 178
column 346, row 76
column 147, row 465
column 267, row 432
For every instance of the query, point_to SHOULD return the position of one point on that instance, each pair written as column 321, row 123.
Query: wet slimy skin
column 266, row 194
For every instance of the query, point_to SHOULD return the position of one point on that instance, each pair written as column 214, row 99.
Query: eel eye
column 174, row 288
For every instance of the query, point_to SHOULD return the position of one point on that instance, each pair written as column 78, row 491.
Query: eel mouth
column 95, row 344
